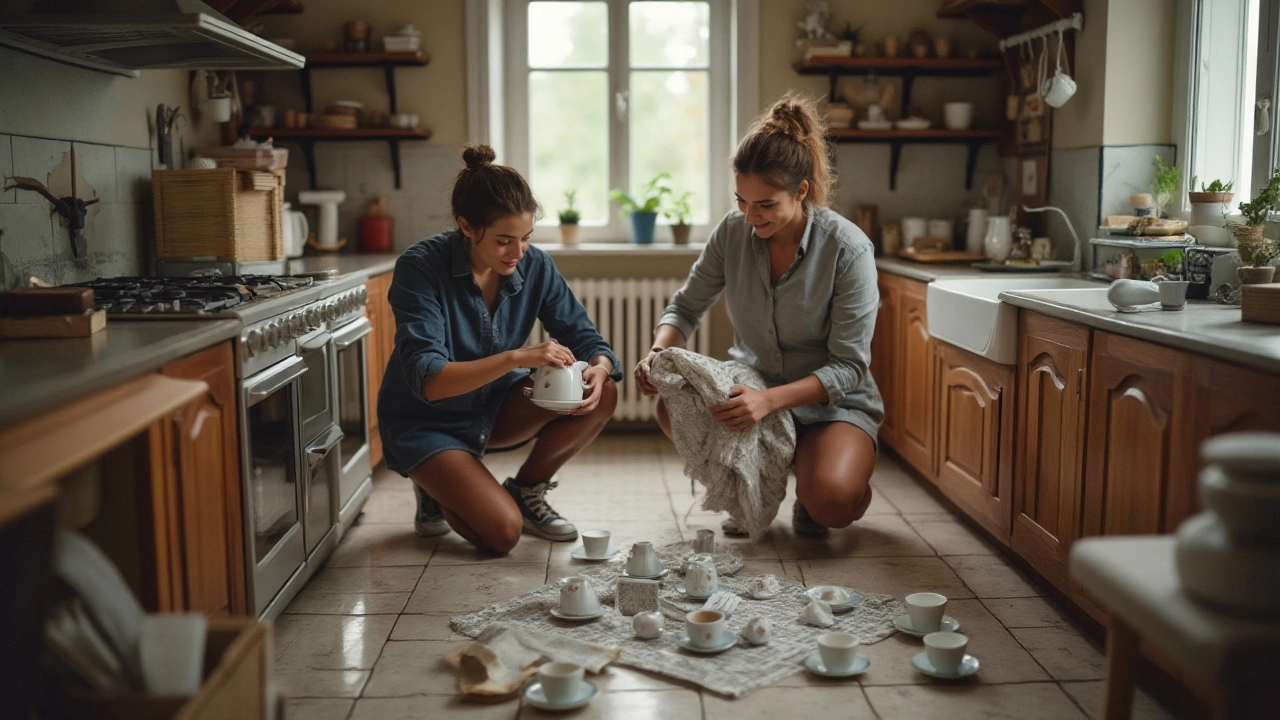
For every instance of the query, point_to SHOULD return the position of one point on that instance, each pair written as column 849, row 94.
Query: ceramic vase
column 642, row 225
column 998, row 242
column 569, row 234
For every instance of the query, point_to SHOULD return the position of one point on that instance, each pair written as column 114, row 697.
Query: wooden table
column 1135, row 580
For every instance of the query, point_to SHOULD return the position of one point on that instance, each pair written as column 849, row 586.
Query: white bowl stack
column 1229, row 555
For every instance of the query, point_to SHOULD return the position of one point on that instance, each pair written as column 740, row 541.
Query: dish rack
column 1138, row 258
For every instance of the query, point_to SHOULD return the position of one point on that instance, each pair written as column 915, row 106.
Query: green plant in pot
column 1164, row 185
column 569, row 218
column 643, row 207
column 1257, row 251
column 679, row 214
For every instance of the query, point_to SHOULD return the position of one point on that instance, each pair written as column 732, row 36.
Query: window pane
column 670, row 34
column 569, row 142
column 670, row 132
column 568, row 34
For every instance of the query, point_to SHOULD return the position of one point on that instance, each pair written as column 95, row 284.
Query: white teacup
column 561, row 681
column 958, row 115
column 595, row 543
column 945, row 651
column 839, row 650
column 705, row 627
column 1058, row 89
column 642, row 561
column 925, row 610
column 700, row 577
column 1173, row 293
column 578, row 597
column 559, row 384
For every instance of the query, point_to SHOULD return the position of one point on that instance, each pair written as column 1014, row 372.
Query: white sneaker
column 540, row 518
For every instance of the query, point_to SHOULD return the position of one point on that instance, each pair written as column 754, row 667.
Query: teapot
column 700, row 576
column 559, row 384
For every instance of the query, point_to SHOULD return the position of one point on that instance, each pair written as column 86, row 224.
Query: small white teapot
column 559, row 384
column 758, row 630
column 700, row 576
column 648, row 625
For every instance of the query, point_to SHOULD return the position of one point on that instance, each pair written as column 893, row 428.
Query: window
column 604, row 94
column 1228, row 117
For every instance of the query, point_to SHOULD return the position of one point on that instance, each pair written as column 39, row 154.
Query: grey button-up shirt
column 818, row 320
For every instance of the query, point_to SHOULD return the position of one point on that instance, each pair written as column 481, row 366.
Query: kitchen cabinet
column 884, row 357
column 202, row 486
column 915, row 382
column 1052, row 359
column 380, row 345
column 975, row 436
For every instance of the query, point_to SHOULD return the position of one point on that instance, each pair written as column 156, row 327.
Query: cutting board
column 53, row 326
column 939, row 256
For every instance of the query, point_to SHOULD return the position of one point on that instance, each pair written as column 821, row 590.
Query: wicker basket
column 225, row 213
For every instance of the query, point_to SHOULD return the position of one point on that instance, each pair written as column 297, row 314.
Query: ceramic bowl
column 1217, row 570
column 1247, row 508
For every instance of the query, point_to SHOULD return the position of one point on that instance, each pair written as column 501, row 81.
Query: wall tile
column 6, row 168
column 1127, row 169
column 930, row 180
column 113, row 240
column 133, row 175
column 30, row 244
column 96, row 171
column 38, row 158
column 1074, row 187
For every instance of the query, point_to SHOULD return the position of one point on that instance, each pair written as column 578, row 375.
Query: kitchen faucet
column 1075, row 252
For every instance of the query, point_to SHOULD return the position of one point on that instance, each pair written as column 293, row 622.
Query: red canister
column 375, row 234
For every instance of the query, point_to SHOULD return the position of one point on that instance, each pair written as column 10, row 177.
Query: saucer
column 968, row 666
column 727, row 640
column 854, row 599
column 580, row 553
column 534, row 694
column 555, row 612
column 903, row 623
column 627, row 573
column 557, row 405
column 814, row 664
column 685, row 592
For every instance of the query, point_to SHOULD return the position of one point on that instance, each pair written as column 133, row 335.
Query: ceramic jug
column 578, row 597
column 559, row 384
column 999, row 240
column 700, row 576
column 642, row 561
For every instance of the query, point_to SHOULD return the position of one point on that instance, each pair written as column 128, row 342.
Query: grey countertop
column 1203, row 327
column 38, row 375
column 347, row 265
column 926, row 272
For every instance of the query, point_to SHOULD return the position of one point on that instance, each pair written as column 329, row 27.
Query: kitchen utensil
column 296, row 230
column 945, row 651
column 561, row 681
column 1057, row 90
column 93, row 576
column 704, row 628
column 838, row 650
column 926, row 610
column 938, row 256
column 998, row 242
column 944, row 229
column 327, row 200
column 578, row 597
column 912, row 228
column 958, row 115
column 648, row 625
column 46, row 301
column 1128, row 295
column 171, row 652
column 376, row 233
column 976, row 231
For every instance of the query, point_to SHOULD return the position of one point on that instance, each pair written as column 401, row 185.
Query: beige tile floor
column 365, row 638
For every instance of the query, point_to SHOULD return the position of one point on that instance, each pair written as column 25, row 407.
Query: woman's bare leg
column 560, row 437
column 664, row 417
column 473, row 502
column 833, row 468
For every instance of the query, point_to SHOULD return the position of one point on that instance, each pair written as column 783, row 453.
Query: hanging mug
column 1058, row 89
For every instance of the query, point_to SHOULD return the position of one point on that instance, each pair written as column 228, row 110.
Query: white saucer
column 685, row 592
column 557, row 405
column 727, row 640
column 968, row 666
column 903, row 623
column 854, row 598
column 536, row 697
column 580, row 553
column 662, row 574
column 555, row 612
column 814, row 663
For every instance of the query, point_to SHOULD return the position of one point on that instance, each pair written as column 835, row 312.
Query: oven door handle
column 320, row 449
column 262, row 386
column 316, row 342
column 351, row 334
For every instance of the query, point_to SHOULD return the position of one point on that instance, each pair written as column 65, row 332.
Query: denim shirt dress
column 441, row 317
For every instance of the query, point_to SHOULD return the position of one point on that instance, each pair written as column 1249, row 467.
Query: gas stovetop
column 206, row 295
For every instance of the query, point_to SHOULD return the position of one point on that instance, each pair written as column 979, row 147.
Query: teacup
column 578, row 597
column 1058, row 89
column 945, row 651
column 839, row 650
column 1173, row 293
column 830, row 594
column 926, row 611
column 700, row 576
column 705, row 627
column 642, row 561
column 559, row 384
column 561, row 681
column 595, row 543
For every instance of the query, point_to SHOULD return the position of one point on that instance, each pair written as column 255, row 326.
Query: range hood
column 125, row 36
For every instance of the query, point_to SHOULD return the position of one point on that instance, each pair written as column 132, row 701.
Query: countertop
column 39, row 375
column 1202, row 326
column 927, row 272
column 347, row 265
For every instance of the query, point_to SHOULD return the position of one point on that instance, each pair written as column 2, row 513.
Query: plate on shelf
column 1044, row 266
column 874, row 125
column 913, row 124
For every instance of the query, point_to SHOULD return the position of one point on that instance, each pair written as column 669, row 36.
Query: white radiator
column 626, row 312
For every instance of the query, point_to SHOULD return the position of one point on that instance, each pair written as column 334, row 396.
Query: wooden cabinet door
column 1052, row 356
column 915, row 381
column 975, row 436
column 1139, row 393
column 884, row 358
column 206, row 447
column 379, row 345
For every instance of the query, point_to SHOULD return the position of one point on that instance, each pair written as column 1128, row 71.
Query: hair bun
column 477, row 156
column 791, row 118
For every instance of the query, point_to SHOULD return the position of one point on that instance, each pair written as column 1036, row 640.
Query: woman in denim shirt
column 800, row 286
column 465, row 301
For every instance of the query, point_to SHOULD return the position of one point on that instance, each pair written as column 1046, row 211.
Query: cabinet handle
column 198, row 424
column 1079, row 382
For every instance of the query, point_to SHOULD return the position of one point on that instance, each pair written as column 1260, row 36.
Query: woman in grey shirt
column 800, row 287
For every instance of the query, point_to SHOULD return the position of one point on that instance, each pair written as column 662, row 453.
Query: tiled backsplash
column 36, row 240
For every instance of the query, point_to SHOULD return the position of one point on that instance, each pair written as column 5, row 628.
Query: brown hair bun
column 787, row 146
column 484, row 192
column 477, row 156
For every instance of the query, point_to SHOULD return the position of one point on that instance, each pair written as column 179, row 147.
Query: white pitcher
column 700, row 576
column 999, row 240
column 559, row 384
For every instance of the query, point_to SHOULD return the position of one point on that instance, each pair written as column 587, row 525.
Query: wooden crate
column 224, row 213
column 1260, row 303
column 237, row 662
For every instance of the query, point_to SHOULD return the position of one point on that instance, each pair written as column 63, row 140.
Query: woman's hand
column 594, row 377
column 642, row 373
column 744, row 408
column 548, row 353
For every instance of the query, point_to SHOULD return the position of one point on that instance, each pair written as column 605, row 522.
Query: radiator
column 625, row 312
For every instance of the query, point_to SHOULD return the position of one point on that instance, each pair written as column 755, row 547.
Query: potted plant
column 569, row 218
column 1214, row 192
column 644, row 211
column 1256, row 251
column 1164, row 185
column 678, row 214
column 1208, row 209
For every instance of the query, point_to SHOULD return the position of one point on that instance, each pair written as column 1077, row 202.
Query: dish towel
column 744, row 472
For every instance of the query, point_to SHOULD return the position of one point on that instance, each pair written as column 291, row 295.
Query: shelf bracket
column 306, row 89
column 895, row 154
column 390, row 74
column 908, row 79
column 394, row 144
column 832, row 79
column 970, row 163
column 309, row 153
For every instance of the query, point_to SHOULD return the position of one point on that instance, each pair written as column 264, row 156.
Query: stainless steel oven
column 320, row 436
column 355, row 481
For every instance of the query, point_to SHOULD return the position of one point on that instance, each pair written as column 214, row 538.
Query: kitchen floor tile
column 466, row 588
column 452, row 549
column 370, row 579
column 872, row 536
column 388, row 505
column 318, row 708
column 991, row 576
column 907, row 495
column 1063, row 651
column 304, row 682
column 948, row 535
column 678, row 704
column 1043, row 701
column 331, row 642
column 1033, row 612
column 310, row 602
column 1088, row 695
column 382, row 545
column 431, row 706
column 771, row 703
column 434, row 626
column 896, row 576
column 412, row 667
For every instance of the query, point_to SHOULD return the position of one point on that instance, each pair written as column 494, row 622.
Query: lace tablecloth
column 734, row 672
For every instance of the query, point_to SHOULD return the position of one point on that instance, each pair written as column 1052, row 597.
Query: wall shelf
column 906, row 68
column 308, row 137
column 974, row 139
column 1003, row 18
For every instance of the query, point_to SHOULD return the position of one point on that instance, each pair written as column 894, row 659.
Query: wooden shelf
column 368, row 59
column 906, row 68
column 308, row 137
column 974, row 139
column 1003, row 18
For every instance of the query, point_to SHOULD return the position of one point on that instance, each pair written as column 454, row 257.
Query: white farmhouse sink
column 967, row 312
